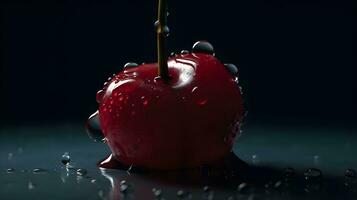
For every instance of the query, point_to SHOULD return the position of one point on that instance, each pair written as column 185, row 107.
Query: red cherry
column 188, row 121
column 182, row 112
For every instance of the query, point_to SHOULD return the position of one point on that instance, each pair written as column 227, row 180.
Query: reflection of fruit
column 187, row 116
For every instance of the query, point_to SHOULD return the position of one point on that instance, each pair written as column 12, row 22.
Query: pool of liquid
column 60, row 162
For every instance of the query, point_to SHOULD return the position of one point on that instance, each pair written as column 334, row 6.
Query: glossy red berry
column 189, row 120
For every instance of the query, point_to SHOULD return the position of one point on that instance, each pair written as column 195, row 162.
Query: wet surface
column 59, row 162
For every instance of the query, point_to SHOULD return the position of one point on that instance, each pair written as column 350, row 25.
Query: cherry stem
column 161, row 31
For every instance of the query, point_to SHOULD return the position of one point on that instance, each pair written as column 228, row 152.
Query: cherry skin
column 184, row 122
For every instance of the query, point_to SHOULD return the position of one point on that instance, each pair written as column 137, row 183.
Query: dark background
column 296, row 57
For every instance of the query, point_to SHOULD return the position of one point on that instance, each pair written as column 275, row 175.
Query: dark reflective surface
column 273, row 167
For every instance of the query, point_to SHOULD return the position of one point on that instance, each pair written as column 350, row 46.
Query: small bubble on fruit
column 93, row 127
column 203, row 47
column 81, row 172
column 130, row 65
column 312, row 174
column 202, row 102
column 231, row 68
column 194, row 89
column 185, row 52
column 65, row 159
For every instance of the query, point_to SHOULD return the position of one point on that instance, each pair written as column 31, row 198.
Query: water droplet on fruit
column 99, row 96
column 203, row 47
column 93, row 127
column 202, row 102
column 194, row 89
column 172, row 54
column 146, row 102
column 66, row 159
column 130, row 65
column 185, row 52
column 232, row 69
column 81, row 172
column 312, row 174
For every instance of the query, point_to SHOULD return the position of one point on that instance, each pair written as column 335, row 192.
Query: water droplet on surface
column 157, row 193
column 203, row 47
column 81, row 172
column 20, row 150
column 185, row 52
column 10, row 156
column 130, row 65
column 206, row 189
column 232, row 69
column 350, row 173
column 123, row 187
column 312, row 174
column 289, row 174
column 93, row 127
column 10, row 170
column 180, row 194
column 243, row 188
column 39, row 171
column 30, row 185
column 93, row 181
column 66, row 159
column 255, row 159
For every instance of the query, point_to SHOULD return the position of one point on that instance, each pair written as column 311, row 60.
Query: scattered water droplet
column 203, row 47
column 172, row 54
column 278, row 185
column 93, row 127
column 66, row 159
column 81, row 172
column 130, row 65
column 10, row 156
column 30, row 185
column 289, row 174
column 93, row 180
column 180, row 194
column 255, row 159
column 39, row 171
column 185, row 52
column 312, row 174
column 350, row 173
column 232, row 69
column 243, row 188
column 194, row 89
column 20, row 150
column 123, row 187
column 206, row 189
column 10, row 170
column 157, row 193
